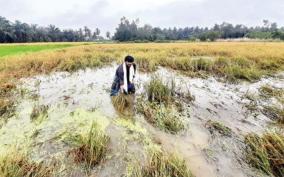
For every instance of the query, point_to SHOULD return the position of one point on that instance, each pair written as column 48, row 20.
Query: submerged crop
column 164, row 117
column 17, row 164
column 90, row 148
column 161, row 164
column 219, row 127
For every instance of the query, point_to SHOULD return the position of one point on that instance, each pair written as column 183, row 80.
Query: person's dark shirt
column 127, row 74
column 119, row 73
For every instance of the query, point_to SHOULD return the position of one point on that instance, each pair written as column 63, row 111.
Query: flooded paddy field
column 52, row 108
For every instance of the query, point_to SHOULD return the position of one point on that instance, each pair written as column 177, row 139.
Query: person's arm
column 134, row 66
column 120, row 76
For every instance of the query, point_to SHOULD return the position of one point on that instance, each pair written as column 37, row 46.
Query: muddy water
column 76, row 99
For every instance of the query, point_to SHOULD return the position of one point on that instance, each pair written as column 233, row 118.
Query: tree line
column 22, row 32
column 131, row 31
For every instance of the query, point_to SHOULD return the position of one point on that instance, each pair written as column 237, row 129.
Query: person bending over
column 124, row 77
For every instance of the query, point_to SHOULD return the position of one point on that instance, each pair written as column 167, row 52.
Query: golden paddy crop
column 247, row 60
column 184, row 56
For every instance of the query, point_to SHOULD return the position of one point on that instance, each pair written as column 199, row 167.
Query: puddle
column 77, row 99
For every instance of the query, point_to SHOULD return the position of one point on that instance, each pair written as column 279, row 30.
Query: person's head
column 129, row 60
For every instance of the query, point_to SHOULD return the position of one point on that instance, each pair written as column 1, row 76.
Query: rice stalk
column 161, row 164
column 17, row 164
column 266, row 152
column 90, row 149
column 219, row 127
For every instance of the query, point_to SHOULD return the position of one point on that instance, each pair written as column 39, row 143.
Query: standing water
column 74, row 100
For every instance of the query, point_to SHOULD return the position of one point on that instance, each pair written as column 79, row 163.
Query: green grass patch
column 7, row 50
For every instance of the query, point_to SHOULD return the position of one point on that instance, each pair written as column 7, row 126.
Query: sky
column 106, row 14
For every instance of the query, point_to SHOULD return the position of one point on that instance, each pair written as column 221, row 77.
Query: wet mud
column 76, row 99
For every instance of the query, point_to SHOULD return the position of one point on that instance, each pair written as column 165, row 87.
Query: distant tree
column 23, row 32
column 266, row 23
column 279, row 34
column 259, row 35
column 213, row 35
column 108, row 35
column 54, row 33
column 98, row 31
column 94, row 36
column 81, row 34
column 144, row 33
column 6, row 31
column 273, row 27
column 157, row 34
column 87, row 33
column 126, row 31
